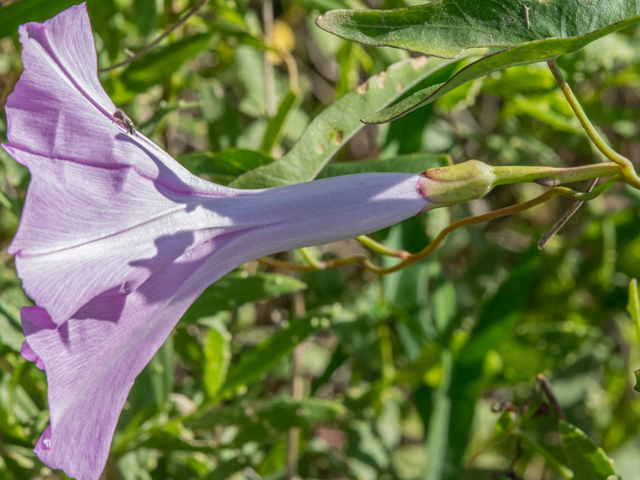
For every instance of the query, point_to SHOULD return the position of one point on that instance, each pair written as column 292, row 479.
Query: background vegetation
column 336, row 373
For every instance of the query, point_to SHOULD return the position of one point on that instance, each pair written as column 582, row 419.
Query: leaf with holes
column 333, row 128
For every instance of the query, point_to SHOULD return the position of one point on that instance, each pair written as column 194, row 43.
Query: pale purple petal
column 117, row 240
column 27, row 352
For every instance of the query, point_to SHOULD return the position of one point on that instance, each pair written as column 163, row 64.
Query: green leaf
column 25, row 11
column 10, row 332
column 363, row 444
column 266, row 418
column 146, row 13
column 407, row 291
column 633, row 307
column 271, row 351
column 167, row 442
column 534, row 31
column 497, row 320
column 414, row 163
column 158, row 65
column 226, row 165
column 101, row 13
column 531, row 442
column 637, row 385
column 282, row 414
column 502, row 312
column 226, row 469
column 9, row 335
column 448, row 27
column 159, row 116
column 522, row 55
column 403, row 107
column 337, row 360
column 237, row 288
column 217, row 353
column 274, row 127
column 333, row 128
column 438, row 435
column 585, row 458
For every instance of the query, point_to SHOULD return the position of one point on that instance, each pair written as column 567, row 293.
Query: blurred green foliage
column 430, row 372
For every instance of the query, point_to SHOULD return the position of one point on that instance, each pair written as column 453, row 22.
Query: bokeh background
column 338, row 374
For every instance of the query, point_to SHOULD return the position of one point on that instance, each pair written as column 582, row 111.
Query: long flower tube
column 117, row 240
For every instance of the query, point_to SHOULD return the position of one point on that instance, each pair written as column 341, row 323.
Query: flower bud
column 457, row 183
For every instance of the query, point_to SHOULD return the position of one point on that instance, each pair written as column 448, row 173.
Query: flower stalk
column 628, row 172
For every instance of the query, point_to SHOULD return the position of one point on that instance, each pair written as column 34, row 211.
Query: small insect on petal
column 125, row 121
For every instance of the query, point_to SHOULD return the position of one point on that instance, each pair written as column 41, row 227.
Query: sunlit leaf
column 217, row 354
column 445, row 28
column 533, row 31
column 333, row 128
column 585, row 458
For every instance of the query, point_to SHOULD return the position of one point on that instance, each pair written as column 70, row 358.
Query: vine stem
column 429, row 249
column 628, row 172
column 153, row 44
column 298, row 309
column 371, row 244
column 543, row 383
column 269, row 75
column 565, row 217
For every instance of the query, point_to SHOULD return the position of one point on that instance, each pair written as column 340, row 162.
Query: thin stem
column 553, row 401
column 293, row 73
column 269, row 75
column 564, row 218
column 153, row 44
column 310, row 260
column 297, row 391
column 629, row 172
column 272, row 262
column 371, row 244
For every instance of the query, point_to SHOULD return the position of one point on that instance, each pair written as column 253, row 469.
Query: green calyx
column 458, row 183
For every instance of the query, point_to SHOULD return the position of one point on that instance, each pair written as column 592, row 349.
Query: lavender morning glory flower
column 117, row 239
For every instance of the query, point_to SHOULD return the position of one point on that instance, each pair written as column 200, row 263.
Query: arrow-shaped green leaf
column 535, row 31
column 446, row 28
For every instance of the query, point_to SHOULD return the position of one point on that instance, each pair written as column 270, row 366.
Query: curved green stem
column 371, row 244
column 628, row 172
column 310, row 260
